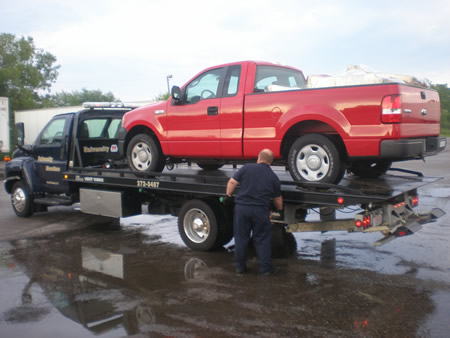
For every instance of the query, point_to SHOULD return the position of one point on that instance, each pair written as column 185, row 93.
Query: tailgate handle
column 213, row 110
column 423, row 95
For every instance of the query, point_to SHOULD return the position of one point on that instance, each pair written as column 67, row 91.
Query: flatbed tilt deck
column 205, row 216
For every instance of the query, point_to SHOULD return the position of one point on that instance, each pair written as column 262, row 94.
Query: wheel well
column 9, row 183
column 309, row 127
column 140, row 130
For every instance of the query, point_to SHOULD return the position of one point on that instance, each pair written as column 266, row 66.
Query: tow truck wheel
column 370, row 169
column 144, row 155
column 21, row 200
column 209, row 166
column 314, row 158
column 199, row 227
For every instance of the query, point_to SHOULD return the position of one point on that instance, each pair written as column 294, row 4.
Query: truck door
column 51, row 153
column 194, row 126
column 208, row 122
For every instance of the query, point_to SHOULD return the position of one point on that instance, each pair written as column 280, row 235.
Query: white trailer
column 36, row 119
column 4, row 125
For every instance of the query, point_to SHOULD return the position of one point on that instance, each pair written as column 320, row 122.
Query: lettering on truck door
column 51, row 154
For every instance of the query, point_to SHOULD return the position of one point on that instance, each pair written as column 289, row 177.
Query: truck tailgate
column 420, row 112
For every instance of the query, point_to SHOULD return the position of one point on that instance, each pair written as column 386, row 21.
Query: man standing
column 258, row 185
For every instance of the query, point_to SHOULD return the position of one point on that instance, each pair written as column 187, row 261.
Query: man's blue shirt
column 258, row 184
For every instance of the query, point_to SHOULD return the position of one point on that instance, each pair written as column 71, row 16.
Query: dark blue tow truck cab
column 87, row 138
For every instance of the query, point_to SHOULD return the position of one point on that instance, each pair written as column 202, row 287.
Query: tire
column 315, row 158
column 199, row 227
column 209, row 166
column 144, row 155
column 21, row 200
column 370, row 169
column 283, row 243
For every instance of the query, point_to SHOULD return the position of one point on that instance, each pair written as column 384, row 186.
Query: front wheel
column 144, row 155
column 315, row 158
column 21, row 200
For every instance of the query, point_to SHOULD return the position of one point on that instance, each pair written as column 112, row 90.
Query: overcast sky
column 129, row 47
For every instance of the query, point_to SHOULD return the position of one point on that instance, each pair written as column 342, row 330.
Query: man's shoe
column 270, row 272
column 241, row 271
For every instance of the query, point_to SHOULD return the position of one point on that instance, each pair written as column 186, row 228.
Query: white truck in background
column 4, row 126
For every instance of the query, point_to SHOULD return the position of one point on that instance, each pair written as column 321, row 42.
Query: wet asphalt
column 65, row 274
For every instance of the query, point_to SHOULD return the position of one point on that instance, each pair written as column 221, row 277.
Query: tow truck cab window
column 53, row 132
column 106, row 128
column 274, row 79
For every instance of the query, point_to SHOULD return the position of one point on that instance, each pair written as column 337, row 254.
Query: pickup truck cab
column 228, row 113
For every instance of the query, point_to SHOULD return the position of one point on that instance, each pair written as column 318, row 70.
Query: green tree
column 444, row 95
column 26, row 72
column 76, row 98
column 162, row 97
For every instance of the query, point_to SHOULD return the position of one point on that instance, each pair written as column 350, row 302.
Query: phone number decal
column 148, row 184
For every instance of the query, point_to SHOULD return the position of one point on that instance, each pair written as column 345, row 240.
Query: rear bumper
column 412, row 148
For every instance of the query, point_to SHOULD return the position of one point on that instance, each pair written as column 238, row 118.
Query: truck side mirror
column 176, row 95
column 20, row 134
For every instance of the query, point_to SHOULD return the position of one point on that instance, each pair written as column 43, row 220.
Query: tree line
column 27, row 74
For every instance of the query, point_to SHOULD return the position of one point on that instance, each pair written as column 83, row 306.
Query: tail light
column 363, row 221
column 415, row 201
column 391, row 109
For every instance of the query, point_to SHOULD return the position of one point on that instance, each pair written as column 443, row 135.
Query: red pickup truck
column 228, row 113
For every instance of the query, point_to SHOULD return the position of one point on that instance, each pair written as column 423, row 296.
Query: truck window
column 231, row 85
column 105, row 128
column 53, row 132
column 271, row 79
column 203, row 87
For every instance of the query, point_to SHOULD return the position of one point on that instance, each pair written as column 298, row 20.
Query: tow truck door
column 51, row 154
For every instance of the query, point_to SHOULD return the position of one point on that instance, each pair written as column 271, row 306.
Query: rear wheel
column 143, row 154
column 315, row 158
column 21, row 200
column 370, row 169
column 200, row 228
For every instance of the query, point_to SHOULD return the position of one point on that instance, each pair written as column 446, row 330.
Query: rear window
column 272, row 79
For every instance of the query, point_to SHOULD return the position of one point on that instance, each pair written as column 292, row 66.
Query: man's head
column 265, row 156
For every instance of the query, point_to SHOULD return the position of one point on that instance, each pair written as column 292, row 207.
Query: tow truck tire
column 209, row 166
column 370, row 169
column 143, row 154
column 315, row 158
column 21, row 200
column 199, row 227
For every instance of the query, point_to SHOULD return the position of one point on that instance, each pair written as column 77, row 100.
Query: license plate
column 442, row 143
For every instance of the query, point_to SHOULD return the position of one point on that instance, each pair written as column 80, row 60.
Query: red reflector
column 340, row 200
column 402, row 233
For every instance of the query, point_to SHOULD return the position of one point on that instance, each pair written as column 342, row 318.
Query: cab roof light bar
column 107, row 105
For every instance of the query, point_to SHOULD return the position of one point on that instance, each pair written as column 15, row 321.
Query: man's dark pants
column 250, row 219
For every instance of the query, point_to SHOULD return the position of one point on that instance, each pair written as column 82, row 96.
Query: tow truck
column 76, row 160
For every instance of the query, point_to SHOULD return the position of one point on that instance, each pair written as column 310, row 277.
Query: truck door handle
column 213, row 110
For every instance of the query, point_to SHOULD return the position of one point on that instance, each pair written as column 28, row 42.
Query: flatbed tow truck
column 66, row 166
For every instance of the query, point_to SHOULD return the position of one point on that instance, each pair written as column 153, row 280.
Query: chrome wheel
column 19, row 199
column 313, row 162
column 196, row 225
